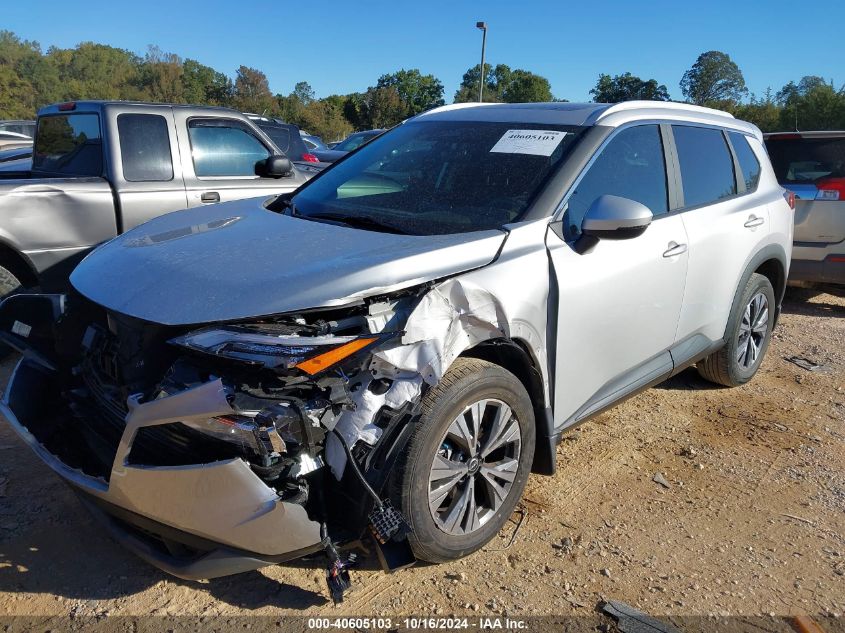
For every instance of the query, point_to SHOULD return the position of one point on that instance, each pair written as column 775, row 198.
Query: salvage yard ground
column 687, row 499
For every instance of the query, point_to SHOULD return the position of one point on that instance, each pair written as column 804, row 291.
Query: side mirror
column 615, row 218
column 275, row 166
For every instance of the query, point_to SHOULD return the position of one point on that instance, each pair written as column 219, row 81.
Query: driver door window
column 224, row 148
column 631, row 166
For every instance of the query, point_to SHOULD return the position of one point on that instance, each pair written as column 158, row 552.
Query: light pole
column 483, row 27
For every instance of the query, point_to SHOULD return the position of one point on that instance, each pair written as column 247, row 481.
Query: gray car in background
column 812, row 166
column 392, row 348
column 350, row 143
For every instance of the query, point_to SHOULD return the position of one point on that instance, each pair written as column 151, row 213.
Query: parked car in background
column 351, row 142
column 27, row 128
column 287, row 138
column 394, row 347
column 101, row 167
column 15, row 154
column 313, row 142
column 812, row 166
column 13, row 140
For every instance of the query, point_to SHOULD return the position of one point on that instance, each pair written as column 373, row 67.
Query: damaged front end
column 214, row 450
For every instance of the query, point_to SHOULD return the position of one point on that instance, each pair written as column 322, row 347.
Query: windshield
column 806, row 160
column 437, row 177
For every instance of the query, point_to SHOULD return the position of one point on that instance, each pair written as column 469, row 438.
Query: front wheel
column 467, row 461
column 749, row 334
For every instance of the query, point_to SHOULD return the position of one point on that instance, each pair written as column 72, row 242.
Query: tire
column 740, row 358
column 9, row 285
column 470, row 386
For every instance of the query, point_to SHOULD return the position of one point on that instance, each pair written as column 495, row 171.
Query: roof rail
column 662, row 105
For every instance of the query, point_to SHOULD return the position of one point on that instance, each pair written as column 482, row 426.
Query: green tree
column 627, row 87
column 203, row 85
column 384, row 107
column 304, row 92
column 97, row 71
column 501, row 84
column 714, row 77
column 526, row 87
column 495, row 79
column 252, row 91
column 324, row 118
column 161, row 76
column 813, row 106
column 420, row 92
column 764, row 113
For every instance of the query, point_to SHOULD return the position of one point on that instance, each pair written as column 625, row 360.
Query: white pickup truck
column 100, row 168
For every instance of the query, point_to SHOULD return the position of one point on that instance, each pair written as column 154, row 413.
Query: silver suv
column 395, row 346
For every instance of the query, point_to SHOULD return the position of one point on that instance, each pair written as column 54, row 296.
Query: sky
column 341, row 47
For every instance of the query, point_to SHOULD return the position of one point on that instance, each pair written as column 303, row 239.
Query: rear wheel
column 9, row 285
column 467, row 462
column 749, row 334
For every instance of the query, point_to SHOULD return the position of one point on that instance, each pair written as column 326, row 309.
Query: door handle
column 675, row 249
column 210, row 196
column 753, row 221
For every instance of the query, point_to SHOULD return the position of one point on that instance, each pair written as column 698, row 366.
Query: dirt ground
column 751, row 520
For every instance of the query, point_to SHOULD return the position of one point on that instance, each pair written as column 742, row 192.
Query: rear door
column 724, row 222
column 219, row 160
column 813, row 167
column 618, row 304
column 145, row 168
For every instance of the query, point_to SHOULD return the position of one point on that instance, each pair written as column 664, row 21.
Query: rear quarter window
column 707, row 172
column 748, row 163
column 145, row 147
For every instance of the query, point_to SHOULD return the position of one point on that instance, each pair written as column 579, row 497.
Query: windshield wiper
column 356, row 221
column 283, row 204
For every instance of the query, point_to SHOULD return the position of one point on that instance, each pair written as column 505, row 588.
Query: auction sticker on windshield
column 537, row 142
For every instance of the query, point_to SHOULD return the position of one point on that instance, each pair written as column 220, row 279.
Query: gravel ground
column 747, row 518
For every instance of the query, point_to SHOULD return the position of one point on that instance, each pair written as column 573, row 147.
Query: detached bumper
column 193, row 521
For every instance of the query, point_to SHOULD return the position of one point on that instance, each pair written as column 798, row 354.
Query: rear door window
column 145, row 147
column 630, row 166
column 69, row 144
column 224, row 147
column 707, row 171
column 748, row 163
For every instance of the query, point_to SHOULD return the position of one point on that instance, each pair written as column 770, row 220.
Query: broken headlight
column 272, row 347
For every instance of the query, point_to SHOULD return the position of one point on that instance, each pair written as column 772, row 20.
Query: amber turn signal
column 325, row 360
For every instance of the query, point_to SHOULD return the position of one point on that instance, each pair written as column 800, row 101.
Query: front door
column 618, row 305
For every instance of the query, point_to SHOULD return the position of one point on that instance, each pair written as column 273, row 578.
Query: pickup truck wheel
column 9, row 285
column 749, row 333
column 466, row 464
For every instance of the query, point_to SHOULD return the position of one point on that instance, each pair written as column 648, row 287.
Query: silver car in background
column 812, row 166
column 392, row 348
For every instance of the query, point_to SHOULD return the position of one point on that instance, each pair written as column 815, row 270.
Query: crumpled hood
column 238, row 260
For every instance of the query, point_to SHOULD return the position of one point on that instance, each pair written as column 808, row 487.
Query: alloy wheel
column 474, row 469
column 752, row 331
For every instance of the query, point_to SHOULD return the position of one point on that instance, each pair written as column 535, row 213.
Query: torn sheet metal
column 451, row 318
